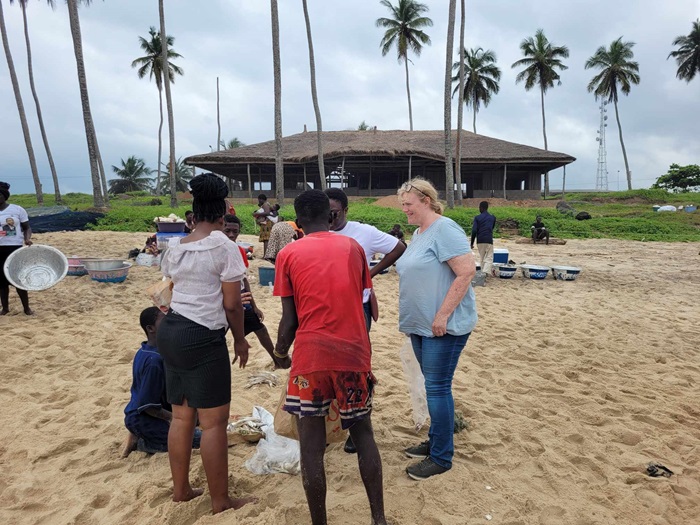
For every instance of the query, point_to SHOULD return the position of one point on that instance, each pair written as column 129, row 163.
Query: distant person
column 275, row 213
column 13, row 221
column 437, row 309
column 252, row 316
column 321, row 279
column 539, row 231
column 148, row 415
column 262, row 219
column 189, row 221
column 281, row 235
column 373, row 242
column 482, row 232
column 396, row 232
column 206, row 271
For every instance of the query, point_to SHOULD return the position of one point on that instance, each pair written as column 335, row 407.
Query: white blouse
column 197, row 270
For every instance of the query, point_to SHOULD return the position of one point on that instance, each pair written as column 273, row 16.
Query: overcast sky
column 231, row 39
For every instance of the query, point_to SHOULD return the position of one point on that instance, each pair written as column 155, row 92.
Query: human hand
column 246, row 297
column 240, row 349
column 440, row 325
column 282, row 362
column 259, row 313
column 28, row 242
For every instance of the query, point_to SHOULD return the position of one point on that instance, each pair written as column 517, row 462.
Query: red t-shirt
column 326, row 274
column 244, row 255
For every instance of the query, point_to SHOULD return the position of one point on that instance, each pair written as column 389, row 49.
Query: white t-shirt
column 372, row 241
column 10, row 229
column 197, row 270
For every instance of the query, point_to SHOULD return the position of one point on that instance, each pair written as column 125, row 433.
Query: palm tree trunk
column 474, row 121
column 103, row 178
column 544, row 133
column 74, row 19
column 57, row 191
column 20, row 108
column 218, row 118
column 314, row 97
column 408, row 92
column 449, row 175
column 169, row 103
column 279, row 164
column 160, row 142
column 460, row 107
column 624, row 151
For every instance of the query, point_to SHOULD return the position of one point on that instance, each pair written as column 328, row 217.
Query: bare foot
column 187, row 496
column 129, row 445
column 29, row 311
column 4, row 311
column 232, row 503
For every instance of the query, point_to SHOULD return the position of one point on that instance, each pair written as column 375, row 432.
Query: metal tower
column 601, row 179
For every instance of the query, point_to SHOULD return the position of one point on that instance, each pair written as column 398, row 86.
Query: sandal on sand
column 657, row 470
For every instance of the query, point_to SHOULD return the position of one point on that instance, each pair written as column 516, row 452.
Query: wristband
column 278, row 355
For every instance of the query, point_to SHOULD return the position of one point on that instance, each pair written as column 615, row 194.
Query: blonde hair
column 422, row 189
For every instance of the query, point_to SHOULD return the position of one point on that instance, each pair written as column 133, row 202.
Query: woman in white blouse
column 206, row 270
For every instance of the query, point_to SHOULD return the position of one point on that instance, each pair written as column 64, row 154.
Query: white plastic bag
column 416, row 384
column 274, row 454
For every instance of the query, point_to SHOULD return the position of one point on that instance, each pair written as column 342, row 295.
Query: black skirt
column 197, row 366
column 5, row 252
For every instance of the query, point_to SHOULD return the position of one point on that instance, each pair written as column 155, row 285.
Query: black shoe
column 350, row 446
column 424, row 469
column 419, row 451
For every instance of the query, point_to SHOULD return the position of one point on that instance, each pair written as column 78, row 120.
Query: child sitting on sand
column 148, row 414
column 253, row 317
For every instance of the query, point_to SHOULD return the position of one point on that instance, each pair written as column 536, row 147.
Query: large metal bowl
column 116, row 275
column 35, row 268
column 102, row 264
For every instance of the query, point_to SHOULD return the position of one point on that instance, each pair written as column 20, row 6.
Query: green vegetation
column 615, row 215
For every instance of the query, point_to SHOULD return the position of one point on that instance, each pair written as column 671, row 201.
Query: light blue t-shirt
column 425, row 277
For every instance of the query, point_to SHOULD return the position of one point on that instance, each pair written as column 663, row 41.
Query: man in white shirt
column 373, row 241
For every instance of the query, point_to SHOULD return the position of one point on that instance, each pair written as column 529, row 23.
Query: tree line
column 474, row 78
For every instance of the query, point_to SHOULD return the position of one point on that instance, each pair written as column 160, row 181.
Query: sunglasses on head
column 409, row 187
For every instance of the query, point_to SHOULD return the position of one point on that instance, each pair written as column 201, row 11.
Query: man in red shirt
column 321, row 279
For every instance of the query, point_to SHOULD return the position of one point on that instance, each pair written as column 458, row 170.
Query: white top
column 10, row 230
column 197, row 270
column 372, row 240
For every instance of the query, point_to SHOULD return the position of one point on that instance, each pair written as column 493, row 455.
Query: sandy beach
column 570, row 390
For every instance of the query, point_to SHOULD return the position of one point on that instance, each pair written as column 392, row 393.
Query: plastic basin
column 103, row 264
column 171, row 227
column 565, row 273
column 532, row 271
column 117, row 275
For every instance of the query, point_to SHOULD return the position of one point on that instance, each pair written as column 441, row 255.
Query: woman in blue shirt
column 437, row 309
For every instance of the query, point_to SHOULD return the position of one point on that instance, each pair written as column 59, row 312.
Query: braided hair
column 209, row 193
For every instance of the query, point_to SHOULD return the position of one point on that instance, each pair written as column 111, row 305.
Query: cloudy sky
column 231, row 39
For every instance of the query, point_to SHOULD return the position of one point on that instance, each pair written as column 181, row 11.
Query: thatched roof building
column 375, row 163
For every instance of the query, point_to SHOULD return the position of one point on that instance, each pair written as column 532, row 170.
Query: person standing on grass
column 14, row 232
column 262, row 219
column 482, row 232
column 437, row 310
column 206, row 271
column 320, row 279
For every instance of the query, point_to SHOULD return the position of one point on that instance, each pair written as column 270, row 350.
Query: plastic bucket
column 266, row 275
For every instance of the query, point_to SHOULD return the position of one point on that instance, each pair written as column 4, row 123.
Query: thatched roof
column 302, row 148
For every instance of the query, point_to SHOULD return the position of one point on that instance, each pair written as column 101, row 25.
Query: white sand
column 570, row 388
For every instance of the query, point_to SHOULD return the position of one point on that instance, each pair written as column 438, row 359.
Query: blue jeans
column 438, row 357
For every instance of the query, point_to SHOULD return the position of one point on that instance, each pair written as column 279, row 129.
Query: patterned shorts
column 312, row 394
column 265, row 229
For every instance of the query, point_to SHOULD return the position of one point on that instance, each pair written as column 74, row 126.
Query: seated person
column 539, row 231
column 151, row 247
column 189, row 221
column 252, row 316
column 148, row 414
column 396, row 232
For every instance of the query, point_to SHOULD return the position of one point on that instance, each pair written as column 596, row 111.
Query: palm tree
column 151, row 64
column 449, row 174
column 52, row 166
column 182, row 174
column 482, row 77
column 460, row 107
column 618, row 73
column 541, row 60
column 363, row 126
column 688, row 53
column 133, row 175
column 169, row 104
column 98, row 192
column 232, row 144
column 20, row 108
column 404, row 29
column 314, row 97
column 279, row 163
